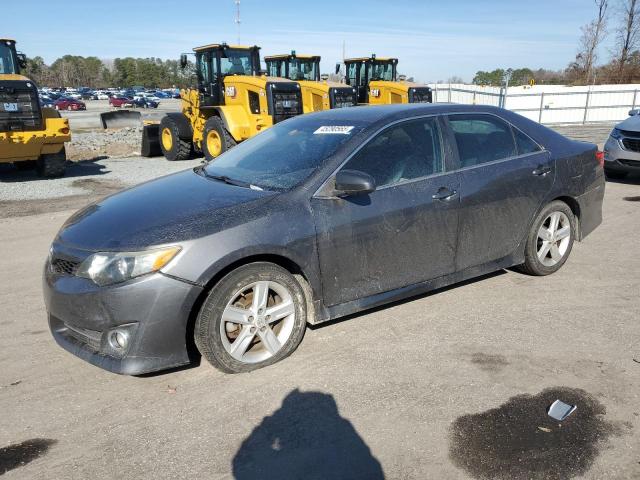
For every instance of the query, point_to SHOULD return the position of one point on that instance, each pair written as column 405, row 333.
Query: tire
column 52, row 165
column 177, row 148
column 252, row 352
column 214, row 127
column 25, row 165
column 615, row 175
column 540, row 260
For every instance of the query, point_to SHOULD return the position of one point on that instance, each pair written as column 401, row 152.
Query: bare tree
column 592, row 35
column 628, row 36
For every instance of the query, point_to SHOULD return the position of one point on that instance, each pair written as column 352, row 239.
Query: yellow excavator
column 231, row 102
column 376, row 82
column 30, row 136
column 316, row 94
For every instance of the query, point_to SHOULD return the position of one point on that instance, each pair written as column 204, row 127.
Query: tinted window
column 525, row 144
column 481, row 139
column 284, row 155
column 402, row 152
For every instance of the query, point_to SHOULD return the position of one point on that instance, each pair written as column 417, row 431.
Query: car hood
column 171, row 209
column 631, row 124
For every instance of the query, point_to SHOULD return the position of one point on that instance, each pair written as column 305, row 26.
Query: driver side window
column 403, row 152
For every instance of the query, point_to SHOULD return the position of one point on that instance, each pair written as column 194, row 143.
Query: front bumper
column 619, row 159
column 154, row 309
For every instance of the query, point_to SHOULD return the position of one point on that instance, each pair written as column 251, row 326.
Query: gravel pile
column 124, row 142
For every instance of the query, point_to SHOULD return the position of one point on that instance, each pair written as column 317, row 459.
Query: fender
column 235, row 120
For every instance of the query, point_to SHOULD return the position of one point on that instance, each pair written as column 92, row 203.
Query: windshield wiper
column 228, row 180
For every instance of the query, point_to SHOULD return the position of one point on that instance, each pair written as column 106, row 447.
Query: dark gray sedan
column 318, row 217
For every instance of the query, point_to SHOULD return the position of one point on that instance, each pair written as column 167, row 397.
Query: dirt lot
column 451, row 385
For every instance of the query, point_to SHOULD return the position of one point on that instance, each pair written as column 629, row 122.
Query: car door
column 402, row 233
column 504, row 178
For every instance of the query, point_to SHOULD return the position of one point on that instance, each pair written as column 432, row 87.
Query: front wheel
column 173, row 147
column 254, row 317
column 215, row 138
column 550, row 240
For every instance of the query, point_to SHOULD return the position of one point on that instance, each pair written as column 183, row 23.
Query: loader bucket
column 120, row 119
column 151, row 141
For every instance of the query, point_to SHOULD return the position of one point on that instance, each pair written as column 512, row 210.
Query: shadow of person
column 306, row 438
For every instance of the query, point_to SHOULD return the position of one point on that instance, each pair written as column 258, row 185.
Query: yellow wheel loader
column 376, row 81
column 305, row 69
column 30, row 136
column 231, row 102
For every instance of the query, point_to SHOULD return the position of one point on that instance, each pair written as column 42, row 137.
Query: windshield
column 382, row 71
column 237, row 62
column 284, row 155
column 303, row 70
column 7, row 59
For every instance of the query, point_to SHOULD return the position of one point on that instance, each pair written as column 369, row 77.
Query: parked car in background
column 87, row 95
column 67, row 103
column 318, row 217
column 622, row 150
column 102, row 96
column 47, row 102
column 145, row 103
column 148, row 95
column 119, row 101
column 73, row 95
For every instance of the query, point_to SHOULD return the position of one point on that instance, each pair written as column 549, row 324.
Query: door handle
column 444, row 194
column 541, row 171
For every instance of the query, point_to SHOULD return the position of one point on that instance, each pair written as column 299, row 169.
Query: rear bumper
column 590, row 204
column 153, row 310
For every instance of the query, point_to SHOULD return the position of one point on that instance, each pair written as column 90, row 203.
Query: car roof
column 381, row 113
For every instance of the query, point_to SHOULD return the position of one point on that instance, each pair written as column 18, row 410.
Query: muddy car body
column 356, row 208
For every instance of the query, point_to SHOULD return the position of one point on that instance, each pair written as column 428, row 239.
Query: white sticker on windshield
column 334, row 129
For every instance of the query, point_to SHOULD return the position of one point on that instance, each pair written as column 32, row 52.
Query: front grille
column 92, row 338
column 342, row 97
column 630, row 163
column 64, row 267
column 632, row 144
column 19, row 106
column 286, row 105
column 420, row 95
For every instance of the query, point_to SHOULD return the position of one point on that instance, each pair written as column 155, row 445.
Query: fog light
column 119, row 339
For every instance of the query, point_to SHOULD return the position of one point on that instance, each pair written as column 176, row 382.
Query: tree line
column 77, row 71
column 619, row 19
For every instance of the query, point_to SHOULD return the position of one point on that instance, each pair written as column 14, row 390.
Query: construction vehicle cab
column 376, row 81
column 316, row 94
column 30, row 136
column 231, row 102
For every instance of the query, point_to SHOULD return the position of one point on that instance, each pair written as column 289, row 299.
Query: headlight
column 106, row 268
column 615, row 133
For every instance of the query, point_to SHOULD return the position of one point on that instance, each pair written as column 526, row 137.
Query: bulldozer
column 376, row 82
column 233, row 101
column 30, row 136
column 305, row 69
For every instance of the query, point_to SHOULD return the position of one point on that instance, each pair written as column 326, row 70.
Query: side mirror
column 183, row 61
column 354, row 182
column 634, row 112
column 22, row 60
column 337, row 68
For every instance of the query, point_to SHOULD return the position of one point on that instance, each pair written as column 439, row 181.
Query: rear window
column 524, row 143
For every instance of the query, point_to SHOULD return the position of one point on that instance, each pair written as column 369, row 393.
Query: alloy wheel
column 554, row 237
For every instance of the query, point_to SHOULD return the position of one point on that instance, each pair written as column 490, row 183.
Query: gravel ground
column 453, row 385
column 125, row 142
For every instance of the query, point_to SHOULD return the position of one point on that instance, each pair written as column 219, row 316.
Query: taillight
column 600, row 158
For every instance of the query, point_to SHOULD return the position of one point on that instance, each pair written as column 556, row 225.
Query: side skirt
column 361, row 304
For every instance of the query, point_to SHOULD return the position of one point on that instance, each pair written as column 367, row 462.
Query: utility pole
column 238, row 18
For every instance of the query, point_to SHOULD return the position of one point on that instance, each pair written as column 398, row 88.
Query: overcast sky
column 433, row 40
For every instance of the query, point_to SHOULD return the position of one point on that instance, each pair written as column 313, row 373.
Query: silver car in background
column 622, row 150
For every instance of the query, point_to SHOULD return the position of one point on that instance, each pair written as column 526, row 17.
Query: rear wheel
column 254, row 317
column 550, row 240
column 215, row 139
column 52, row 165
column 173, row 147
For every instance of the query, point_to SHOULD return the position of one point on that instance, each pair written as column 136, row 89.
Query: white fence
column 549, row 103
